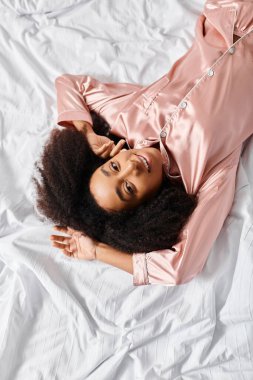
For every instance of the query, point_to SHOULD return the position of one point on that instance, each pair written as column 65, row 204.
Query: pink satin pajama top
column 200, row 112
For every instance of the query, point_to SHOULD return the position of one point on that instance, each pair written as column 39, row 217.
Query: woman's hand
column 77, row 244
column 102, row 146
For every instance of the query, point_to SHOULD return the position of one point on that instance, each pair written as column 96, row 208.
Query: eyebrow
column 118, row 191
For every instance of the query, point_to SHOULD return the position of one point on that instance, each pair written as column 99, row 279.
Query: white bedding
column 69, row 320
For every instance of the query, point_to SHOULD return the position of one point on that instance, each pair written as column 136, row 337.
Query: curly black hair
column 63, row 196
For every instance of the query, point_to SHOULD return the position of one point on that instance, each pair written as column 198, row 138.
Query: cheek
column 155, row 183
column 150, row 186
column 156, row 178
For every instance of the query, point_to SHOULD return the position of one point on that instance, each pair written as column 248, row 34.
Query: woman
column 198, row 114
column 70, row 194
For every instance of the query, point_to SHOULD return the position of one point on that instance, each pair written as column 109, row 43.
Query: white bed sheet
column 64, row 319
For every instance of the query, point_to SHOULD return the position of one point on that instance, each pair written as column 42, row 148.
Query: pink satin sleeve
column 71, row 104
column 77, row 95
column 168, row 267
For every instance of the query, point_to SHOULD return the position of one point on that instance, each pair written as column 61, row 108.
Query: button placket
column 151, row 95
column 231, row 50
column 210, row 72
column 149, row 141
column 183, row 104
column 166, row 160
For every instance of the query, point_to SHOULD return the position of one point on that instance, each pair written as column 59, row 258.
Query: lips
column 147, row 156
column 141, row 159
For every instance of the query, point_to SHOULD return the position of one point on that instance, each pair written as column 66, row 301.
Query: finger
column 73, row 254
column 59, row 238
column 104, row 147
column 72, row 246
column 107, row 152
column 67, row 253
column 57, row 227
column 117, row 148
column 59, row 245
column 60, row 228
column 71, row 231
column 64, row 230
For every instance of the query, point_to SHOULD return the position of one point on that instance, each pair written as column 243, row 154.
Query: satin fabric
column 200, row 113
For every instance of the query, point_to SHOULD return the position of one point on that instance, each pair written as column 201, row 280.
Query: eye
column 129, row 189
column 113, row 165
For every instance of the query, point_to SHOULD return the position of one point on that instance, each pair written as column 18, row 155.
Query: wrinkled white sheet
column 69, row 320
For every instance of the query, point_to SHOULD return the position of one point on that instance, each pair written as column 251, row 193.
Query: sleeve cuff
column 65, row 117
column 140, row 273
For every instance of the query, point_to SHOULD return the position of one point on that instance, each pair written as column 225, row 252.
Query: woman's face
column 125, row 180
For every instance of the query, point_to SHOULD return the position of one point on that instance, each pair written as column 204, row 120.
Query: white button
column 232, row 50
column 183, row 104
column 142, row 142
column 210, row 72
column 163, row 134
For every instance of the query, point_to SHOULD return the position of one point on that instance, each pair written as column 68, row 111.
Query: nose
column 133, row 166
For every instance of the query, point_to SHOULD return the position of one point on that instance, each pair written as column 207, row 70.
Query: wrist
column 87, row 129
column 114, row 257
column 101, row 249
column 83, row 126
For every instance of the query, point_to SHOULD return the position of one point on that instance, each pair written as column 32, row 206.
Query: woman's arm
column 77, row 95
column 83, row 126
column 112, row 256
column 168, row 267
column 80, row 246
